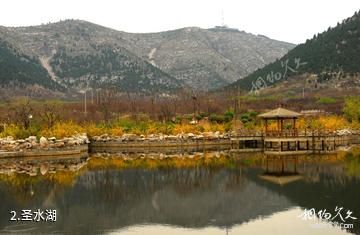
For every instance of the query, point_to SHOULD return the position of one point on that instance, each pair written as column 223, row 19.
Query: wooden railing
column 284, row 133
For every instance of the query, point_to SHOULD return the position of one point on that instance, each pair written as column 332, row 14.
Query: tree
column 21, row 112
column 49, row 114
column 108, row 98
column 352, row 109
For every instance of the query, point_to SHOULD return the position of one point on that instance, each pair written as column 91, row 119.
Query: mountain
column 22, row 72
column 207, row 58
column 74, row 55
column 329, row 60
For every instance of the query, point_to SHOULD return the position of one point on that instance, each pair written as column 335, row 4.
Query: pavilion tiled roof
column 280, row 113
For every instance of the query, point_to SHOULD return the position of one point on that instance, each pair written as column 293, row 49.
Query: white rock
column 129, row 136
column 190, row 135
column 43, row 142
column 9, row 138
column 31, row 139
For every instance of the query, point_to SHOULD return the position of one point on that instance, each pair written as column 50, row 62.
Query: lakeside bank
column 256, row 142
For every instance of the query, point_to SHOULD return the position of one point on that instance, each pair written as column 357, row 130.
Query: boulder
column 199, row 137
column 9, row 138
column 210, row 135
column 130, row 137
column 20, row 141
column 59, row 144
column 190, row 135
column 31, row 139
column 73, row 142
column 171, row 137
column 104, row 136
column 43, row 142
column 27, row 145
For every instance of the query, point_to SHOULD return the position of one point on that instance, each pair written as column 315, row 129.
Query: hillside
column 330, row 59
column 207, row 58
column 18, row 70
column 77, row 57
column 78, row 54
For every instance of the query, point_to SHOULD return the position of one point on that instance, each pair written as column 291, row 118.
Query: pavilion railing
column 284, row 133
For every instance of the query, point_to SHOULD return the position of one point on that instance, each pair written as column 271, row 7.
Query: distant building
column 313, row 112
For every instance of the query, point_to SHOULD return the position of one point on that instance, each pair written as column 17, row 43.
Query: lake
column 207, row 193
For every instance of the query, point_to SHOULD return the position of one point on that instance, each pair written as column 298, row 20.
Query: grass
column 326, row 100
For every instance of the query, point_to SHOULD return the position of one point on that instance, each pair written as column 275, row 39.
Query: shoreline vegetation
column 32, row 125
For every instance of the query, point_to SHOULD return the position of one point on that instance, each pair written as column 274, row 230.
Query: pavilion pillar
column 294, row 126
column 266, row 126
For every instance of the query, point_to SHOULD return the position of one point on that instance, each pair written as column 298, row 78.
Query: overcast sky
column 286, row 20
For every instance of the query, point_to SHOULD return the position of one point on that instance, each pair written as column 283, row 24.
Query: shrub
column 228, row 115
column 247, row 117
column 94, row 130
column 326, row 100
column 185, row 128
column 217, row 118
column 19, row 132
column 63, row 129
column 352, row 109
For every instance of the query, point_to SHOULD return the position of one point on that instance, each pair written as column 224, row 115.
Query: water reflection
column 233, row 198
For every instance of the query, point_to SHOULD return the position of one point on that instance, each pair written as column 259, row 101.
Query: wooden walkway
column 313, row 143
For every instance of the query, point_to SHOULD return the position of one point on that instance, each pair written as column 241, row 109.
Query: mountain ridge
column 78, row 54
column 330, row 58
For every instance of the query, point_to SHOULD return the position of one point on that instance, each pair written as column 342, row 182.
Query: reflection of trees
column 20, row 186
column 191, row 197
column 352, row 163
column 25, row 189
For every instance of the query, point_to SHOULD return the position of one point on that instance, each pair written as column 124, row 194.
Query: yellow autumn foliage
column 63, row 129
column 186, row 128
column 155, row 163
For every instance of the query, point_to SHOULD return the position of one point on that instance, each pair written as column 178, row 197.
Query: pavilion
column 281, row 116
column 284, row 138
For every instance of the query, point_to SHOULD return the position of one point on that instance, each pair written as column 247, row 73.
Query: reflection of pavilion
column 281, row 169
column 281, row 180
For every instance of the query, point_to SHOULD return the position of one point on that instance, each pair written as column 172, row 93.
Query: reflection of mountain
column 103, row 200
column 195, row 198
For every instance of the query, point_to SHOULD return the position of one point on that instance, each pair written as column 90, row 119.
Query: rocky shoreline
column 161, row 137
column 32, row 146
column 80, row 143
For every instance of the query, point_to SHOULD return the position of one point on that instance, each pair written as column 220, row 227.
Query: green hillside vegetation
column 329, row 54
column 19, row 70
column 123, row 70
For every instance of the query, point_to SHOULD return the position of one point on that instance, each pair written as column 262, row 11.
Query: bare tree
column 21, row 112
column 49, row 114
column 107, row 99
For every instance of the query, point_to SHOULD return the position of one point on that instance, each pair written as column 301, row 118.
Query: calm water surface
column 233, row 199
